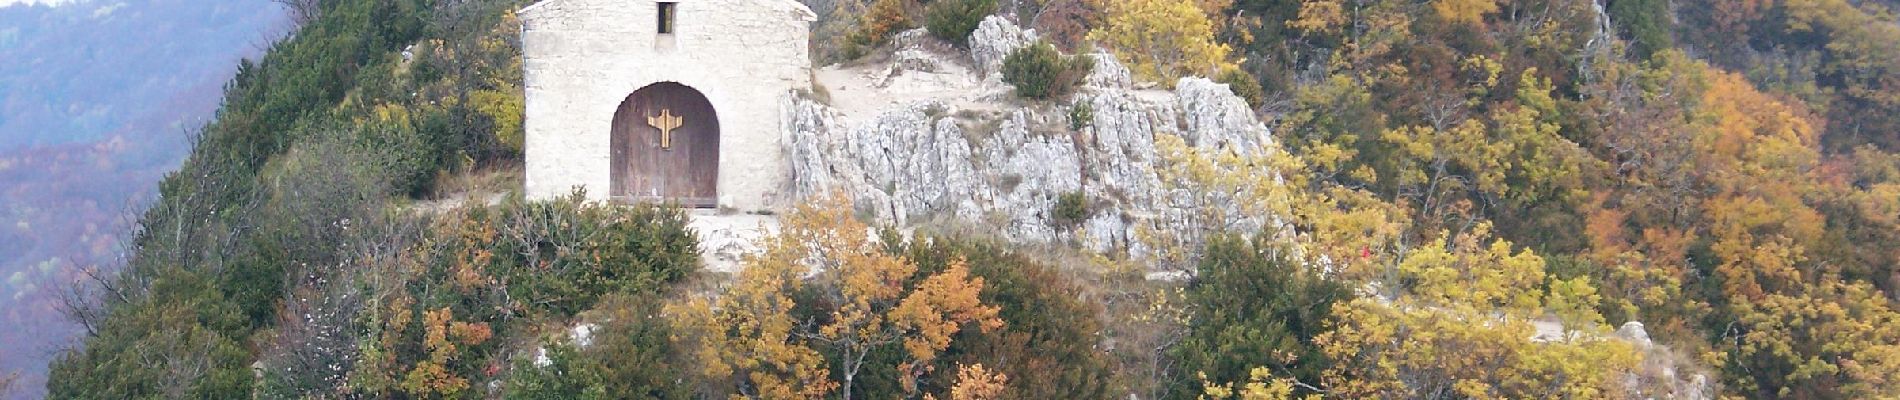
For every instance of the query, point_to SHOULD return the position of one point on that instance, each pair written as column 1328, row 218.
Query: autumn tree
column 1066, row 23
column 976, row 383
column 1464, row 327
column 865, row 299
column 1260, row 385
column 1163, row 40
column 1464, row 11
column 1052, row 328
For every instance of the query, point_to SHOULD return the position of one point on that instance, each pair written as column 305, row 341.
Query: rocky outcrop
column 1004, row 166
column 993, row 40
column 1109, row 74
column 1634, row 333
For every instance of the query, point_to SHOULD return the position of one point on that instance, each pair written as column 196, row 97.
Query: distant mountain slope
column 84, row 71
column 96, row 98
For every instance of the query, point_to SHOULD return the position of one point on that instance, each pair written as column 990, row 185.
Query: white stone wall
column 582, row 58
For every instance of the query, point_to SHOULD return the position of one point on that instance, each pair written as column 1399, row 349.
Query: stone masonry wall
column 582, row 58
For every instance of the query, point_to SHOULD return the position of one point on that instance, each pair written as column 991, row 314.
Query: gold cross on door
column 666, row 122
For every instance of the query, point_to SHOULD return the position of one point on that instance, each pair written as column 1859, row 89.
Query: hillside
column 1127, row 199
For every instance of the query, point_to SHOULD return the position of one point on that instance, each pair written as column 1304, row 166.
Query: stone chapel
column 675, row 101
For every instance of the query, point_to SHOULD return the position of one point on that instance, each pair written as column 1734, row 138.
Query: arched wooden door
column 666, row 147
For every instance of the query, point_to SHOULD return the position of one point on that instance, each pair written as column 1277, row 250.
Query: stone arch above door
column 665, row 140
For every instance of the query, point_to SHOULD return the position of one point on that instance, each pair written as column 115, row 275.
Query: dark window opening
column 666, row 17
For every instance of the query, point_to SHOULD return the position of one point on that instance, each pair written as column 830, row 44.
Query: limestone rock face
column 1633, row 332
column 993, row 40
column 1217, row 118
column 986, row 159
column 1109, row 74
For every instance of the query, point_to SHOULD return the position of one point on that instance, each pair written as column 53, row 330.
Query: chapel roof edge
column 805, row 12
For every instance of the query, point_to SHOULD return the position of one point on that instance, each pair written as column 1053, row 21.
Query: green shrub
column 392, row 148
column 1244, row 85
column 1071, row 208
column 1048, row 346
column 182, row 340
column 1081, row 115
column 567, row 375
column 953, row 20
column 561, row 256
column 1040, row 72
column 1255, row 306
column 630, row 357
column 478, row 272
column 1646, row 23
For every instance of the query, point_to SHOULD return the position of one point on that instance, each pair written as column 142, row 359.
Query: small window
column 667, row 10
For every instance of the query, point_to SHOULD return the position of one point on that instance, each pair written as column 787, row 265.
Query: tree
column 1260, row 385
column 1163, row 40
column 1254, row 307
column 1837, row 342
column 866, row 299
column 1052, row 331
column 1464, row 11
column 1463, row 329
column 953, row 20
column 1646, row 22
column 181, row 341
column 976, row 383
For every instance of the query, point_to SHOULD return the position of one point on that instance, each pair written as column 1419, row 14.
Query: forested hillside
column 1480, row 199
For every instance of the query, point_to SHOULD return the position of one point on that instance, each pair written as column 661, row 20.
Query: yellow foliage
column 1319, row 16
column 1162, row 40
column 505, row 105
column 1408, row 350
column 431, row 378
column 1751, row 136
column 976, row 383
column 937, row 309
column 1229, row 188
column 1260, row 385
column 1840, row 330
column 1464, row 11
column 749, row 334
column 1466, row 272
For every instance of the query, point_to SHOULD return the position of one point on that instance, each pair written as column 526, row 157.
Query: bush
column 1071, row 208
column 563, row 255
column 886, row 17
column 1244, row 85
column 1040, row 72
column 505, row 106
column 394, row 149
column 1162, row 40
column 953, row 20
column 182, row 340
column 475, row 272
column 1048, row 345
column 630, row 357
column 1254, row 306
column 1081, row 115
